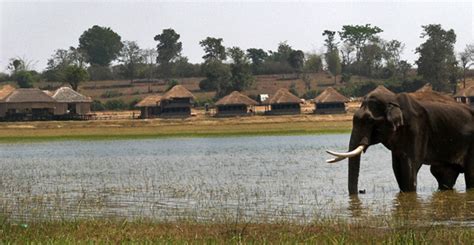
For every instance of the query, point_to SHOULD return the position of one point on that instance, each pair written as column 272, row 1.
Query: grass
column 159, row 128
column 327, row 232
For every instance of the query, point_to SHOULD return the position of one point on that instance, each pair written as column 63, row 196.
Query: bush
column 24, row 79
column 207, row 85
column 116, row 105
column 97, row 106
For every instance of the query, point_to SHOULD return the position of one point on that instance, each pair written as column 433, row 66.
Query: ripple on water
column 254, row 178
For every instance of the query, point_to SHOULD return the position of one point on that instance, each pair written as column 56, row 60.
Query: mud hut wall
column 28, row 106
column 61, row 109
column 83, row 108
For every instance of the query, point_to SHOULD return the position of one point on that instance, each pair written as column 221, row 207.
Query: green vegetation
column 379, row 231
column 127, row 129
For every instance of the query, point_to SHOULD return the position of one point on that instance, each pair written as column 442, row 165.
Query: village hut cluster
column 36, row 104
column 178, row 101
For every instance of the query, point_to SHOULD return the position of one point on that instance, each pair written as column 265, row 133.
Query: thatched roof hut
column 68, row 95
column 71, row 103
column 150, row 101
column 27, row 103
column 330, row 102
column 178, row 92
column 177, row 102
column 28, row 95
column 234, row 104
column 465, row 96
column 283, row 102
column 150, row 106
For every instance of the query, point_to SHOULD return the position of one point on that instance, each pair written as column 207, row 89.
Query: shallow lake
column 255, row 179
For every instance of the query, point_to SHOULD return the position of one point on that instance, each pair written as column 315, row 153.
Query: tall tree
column 240, row 69
column 131, row 55
column 257, row 56
column 296, row 60
column 213, row 48
column 169, row 48
column 437, row 60
column 358, row 36
column 61, row 59
column 333, row 61
column 100, row 44
column 313, row 63
column 466, row 58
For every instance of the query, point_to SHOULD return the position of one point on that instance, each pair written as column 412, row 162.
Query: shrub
column 310, row 94
column 97, row 106
column 116, row 105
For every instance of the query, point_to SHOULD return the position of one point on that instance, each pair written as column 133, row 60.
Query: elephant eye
column 376, row 107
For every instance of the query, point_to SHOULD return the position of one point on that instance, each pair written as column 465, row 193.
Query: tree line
column 355, row 50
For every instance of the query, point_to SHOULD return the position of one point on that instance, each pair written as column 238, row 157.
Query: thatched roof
column 178, row 91
column 149, row 101
column 68, row 95
column 5, row 91
column 467, row 92
column 28, row 95
column 330, row 95
column 382, row 88
column 236, row 98
column 426, row 88
column 282, row 96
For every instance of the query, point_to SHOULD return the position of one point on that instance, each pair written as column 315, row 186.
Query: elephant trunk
column 354, row 162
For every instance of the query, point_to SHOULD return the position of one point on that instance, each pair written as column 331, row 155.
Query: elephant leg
column 405, row 171
column 469, row 170
column 445, row 174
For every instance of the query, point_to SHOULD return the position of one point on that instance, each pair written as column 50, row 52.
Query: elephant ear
column 402, row 110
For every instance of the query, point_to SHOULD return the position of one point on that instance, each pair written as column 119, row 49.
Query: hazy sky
column 34, row 29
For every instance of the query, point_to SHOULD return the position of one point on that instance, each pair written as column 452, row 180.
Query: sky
column 33, row 30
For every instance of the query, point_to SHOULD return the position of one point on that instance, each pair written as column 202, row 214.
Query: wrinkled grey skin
column 419, row 128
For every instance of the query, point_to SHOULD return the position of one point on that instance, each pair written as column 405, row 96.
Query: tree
column 466, row 57
column 169, row 48
column 313, row 63
column 391, row 52
column 213, row 48
column 100, row 44
column 358, row 35
column 24, row 79
column 241, row 76
column 20, row 64
column 333, row 61
column 437, row 61
column 75, row 75
column 61, row 59
column 296, row 60
column 257, row 56
column 217, row 77
column 131, row 55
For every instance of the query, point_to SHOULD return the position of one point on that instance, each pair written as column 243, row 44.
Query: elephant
column 418, row 128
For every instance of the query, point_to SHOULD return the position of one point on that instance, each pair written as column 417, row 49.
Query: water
column 212, row 179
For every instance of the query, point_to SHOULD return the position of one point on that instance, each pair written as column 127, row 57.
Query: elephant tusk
column 337, row 159
column 355, row 152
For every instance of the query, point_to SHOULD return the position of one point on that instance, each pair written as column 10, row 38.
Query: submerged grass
column 117, row 130
column 328, row 232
